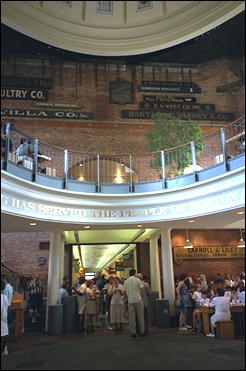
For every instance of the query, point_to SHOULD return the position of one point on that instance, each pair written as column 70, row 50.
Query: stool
column 225, row 329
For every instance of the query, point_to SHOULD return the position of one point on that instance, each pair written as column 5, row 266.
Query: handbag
column 178, row 303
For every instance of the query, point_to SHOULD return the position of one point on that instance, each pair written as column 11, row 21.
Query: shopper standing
column 133, row 287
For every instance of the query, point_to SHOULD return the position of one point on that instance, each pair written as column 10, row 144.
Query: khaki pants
column 136, row 310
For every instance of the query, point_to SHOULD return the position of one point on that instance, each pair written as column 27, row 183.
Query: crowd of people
column 123, row 301
column 194, row 292
column 119, row 300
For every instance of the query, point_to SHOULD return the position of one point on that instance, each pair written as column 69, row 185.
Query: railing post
column 98, row 174
column 163, row 171
column 35, row 160
column 7, row 136
column 223, row 146
column 193, row 158
column 65, row 168
column 130, row 166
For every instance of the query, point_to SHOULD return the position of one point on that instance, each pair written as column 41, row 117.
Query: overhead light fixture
column 191, row 221
column 241, row 243
column 188, row 244
column 240, row 212
column 33, row 223
column 139, row 225
column 87, row 227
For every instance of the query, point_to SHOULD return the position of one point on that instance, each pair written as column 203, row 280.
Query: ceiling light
column 240, row 212
column 87, row 227
column 241, row 243
column 139, row 225
column 33, row 223
column 191, row 221
column 80, row 164
column 188, row 244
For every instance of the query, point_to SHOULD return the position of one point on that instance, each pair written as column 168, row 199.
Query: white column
column 135, row 259
column 54, row 270
column 62, row 257
column 167, row 269
column 155, row 277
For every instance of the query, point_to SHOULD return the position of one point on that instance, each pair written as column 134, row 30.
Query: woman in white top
column 4, row 320
column 222, row 310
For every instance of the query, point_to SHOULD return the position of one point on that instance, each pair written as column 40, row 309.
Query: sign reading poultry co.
column 24, row 94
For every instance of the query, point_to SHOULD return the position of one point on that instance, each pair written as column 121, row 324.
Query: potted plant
column 169, row 132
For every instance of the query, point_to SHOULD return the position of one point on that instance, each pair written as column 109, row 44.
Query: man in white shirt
column 4, row 320
column 8, row 291
column 222, row 309
column 133, row 287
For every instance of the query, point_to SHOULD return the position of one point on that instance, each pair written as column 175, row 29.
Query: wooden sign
column 175, row 106
column 222, row 252
column 170, row 87
column 200, row 116
column 24, row 94
column 46, row 114
column 188, row 84
column 166, row 89
column 230, row 86
column 57, row 105
column 25, row 82
column 168, row 98
column 119, row 266
column 121, row 92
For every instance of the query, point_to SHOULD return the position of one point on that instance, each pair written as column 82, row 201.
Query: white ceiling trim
column 81, row 30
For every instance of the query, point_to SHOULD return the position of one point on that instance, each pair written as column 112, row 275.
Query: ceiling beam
column 137, row 235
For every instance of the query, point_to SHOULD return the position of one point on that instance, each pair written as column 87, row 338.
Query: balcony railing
column 89, row 172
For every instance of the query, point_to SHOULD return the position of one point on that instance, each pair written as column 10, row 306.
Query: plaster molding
column 30, row 200
column 81, row 30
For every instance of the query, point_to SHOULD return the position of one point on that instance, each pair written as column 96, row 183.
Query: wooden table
column 19, row 307
column 237, row 312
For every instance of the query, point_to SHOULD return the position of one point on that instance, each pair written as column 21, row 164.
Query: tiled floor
column 162, row 349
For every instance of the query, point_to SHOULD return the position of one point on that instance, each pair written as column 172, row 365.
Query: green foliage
column 169, row 131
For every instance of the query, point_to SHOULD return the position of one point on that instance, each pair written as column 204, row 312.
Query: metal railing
column 128, row 169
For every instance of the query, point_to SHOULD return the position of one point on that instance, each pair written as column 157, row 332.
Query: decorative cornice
column 125, row 32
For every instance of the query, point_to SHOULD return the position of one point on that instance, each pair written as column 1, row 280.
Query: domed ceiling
column 116, row 28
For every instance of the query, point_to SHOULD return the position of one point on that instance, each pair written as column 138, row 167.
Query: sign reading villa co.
column 46, row 114
column 208, row 252
column 24, row 94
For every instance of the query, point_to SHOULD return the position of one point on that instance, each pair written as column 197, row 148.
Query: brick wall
column 20, row 252
column 79, row 83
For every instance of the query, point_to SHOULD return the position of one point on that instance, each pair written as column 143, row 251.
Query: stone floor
column 161, row 349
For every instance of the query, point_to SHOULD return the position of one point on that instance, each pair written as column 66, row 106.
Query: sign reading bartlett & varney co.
column 24, row 94
column 25, row 82
column 169, row 86
column 46, row 114
column 221, row 252
column 182, row 115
